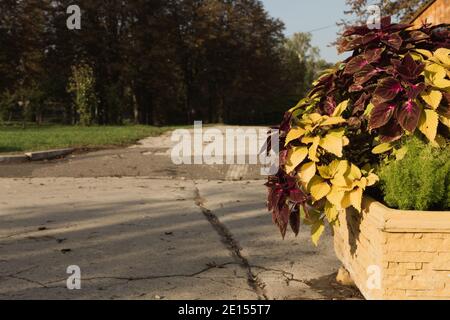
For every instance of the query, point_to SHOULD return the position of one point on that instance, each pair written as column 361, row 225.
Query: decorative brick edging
column 411, row 250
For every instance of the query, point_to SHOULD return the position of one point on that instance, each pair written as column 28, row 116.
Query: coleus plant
column 395, row 84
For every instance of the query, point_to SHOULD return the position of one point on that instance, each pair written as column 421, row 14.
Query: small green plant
column 82, row 87
column 420, row 181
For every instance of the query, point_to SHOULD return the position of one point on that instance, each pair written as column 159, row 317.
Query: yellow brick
column 421, row 282
column 441, row 236
column 421, row 294
column 442, row 262
column 409, row 256
column 414, row 245
column 395, row 293
column 445, row 245
column 413, row 266
column 397, row 282
column 398, row 236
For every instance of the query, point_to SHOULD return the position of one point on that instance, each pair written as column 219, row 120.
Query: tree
column 82, row 87
column 300, row 49
column 401, row 10
column 154, row 61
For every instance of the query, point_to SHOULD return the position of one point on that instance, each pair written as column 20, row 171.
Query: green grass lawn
column 14, row 139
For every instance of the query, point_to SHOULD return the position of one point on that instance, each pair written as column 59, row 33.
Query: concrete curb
column 13, row 158
column 35, row 156
column 49, row 154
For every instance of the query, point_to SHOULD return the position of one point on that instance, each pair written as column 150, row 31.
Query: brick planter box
column 394, row 254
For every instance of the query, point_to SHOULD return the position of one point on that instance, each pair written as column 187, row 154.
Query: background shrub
column 421, row 181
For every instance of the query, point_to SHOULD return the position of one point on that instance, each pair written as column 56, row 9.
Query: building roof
column 421, row 10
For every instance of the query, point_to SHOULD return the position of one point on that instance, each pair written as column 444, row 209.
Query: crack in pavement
column 228, row 239
column 50, row 284
column 288, row 276
column 143, row 278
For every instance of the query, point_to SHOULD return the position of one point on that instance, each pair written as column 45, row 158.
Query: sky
column 308, row 16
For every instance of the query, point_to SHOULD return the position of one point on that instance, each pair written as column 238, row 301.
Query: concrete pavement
column 177, row 232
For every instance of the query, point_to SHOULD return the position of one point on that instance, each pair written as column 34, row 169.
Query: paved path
column 154, row 231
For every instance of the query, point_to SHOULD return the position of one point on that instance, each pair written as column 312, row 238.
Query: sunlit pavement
column 140, row 227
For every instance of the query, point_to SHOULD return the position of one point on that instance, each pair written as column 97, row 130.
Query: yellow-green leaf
column 319, row 188
column 335, row 196
column 346, row 202
column 428, row 124
column 336, row 167
column 424, row 52
column 339, row 167
column 306, row 173
column 316, row 232
column 345, row 141
column 331, row 212
column 400, row 153
column 313, row 150
column 307, row 140
column 332, row 144
column 302, row 101
column 332, row 121
column 324, row 172
column 435, row 76
column 294, row 134
column 354, row 173
column 361, row 183
column 296, row 155
column 312, row 118
column 340, row 108
column 342, row 182
column 445, row 121
column 441, row 83
column 369, row 110
column 416, row 56
column 372, row 178
column 356, row 198
column 432, row 97
column 382, row 148
column 443, row 55
column 337, row 132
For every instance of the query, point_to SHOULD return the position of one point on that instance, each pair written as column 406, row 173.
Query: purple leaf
column 294, row 221
column 416, row 35
column 355, row 65
column 393, row 40
column 360, row 104
column 283, row 220
column 355, row 88
column 408, row 115
column 413, row 90
column 283, row 157
column 356, row 30
column 408, row 69
column 387, row 90
column 373, row 55
column 386, row 22
column 444, row 108
column 330, row 105
column 297, row 196
column 286, row 123
column 357, row 42
column 367, row 73
column 392, row 131
column 381, row 115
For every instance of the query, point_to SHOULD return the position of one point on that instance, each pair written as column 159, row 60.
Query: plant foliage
column 82, row 87
column 420, row 181
column 395, row 84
